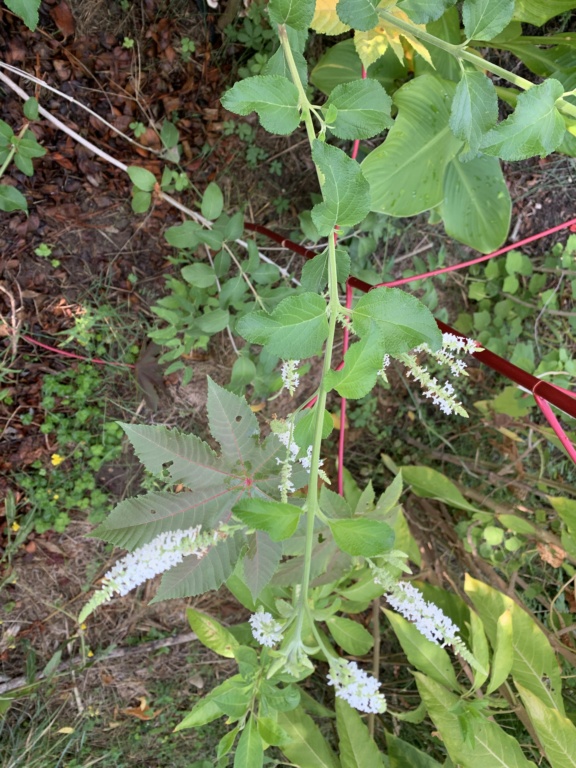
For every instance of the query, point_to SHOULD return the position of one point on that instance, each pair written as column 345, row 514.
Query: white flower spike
column 356, row 687
column 265, row 629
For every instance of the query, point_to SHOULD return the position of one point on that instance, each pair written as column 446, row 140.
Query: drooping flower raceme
column 356, row 687
column 284, row 431
column 265, row 629
column 441, row 394
column 157, row 556
column 430, row 620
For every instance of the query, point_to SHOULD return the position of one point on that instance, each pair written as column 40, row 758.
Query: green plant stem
column 459, row 52
column 312, row 498
column 7, row 162
column 305, row 105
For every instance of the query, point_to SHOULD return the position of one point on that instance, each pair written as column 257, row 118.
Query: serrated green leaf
column 344, row 189
column 27, row 10
column 357, row 747
column 358, row 14
column 358, row 536
column 232, row 423
column 503, row 652
column 362, row 362
column 250, row 749
column 295, row 13
column 212, row 634
column 296, row 329
column 141, row 178
column 260, row 562
column 423, row 11
column 196, row 575
column 277, row 519
column 535, row 666
column 212, row 202
column 351, row 636
column 307, row 747
column 363, row 109
column 556, row 733
column 534, row 128
column 484, row 19
column 477, row 207
column 315, row 271
column 474, row 108
column 398, row 320
column 406, row 172
column 431, row 484
column 273, row 97
column 422, row 653
column 11, row 199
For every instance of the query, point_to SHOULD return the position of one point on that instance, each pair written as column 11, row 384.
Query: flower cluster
column 157, row 556
column 356, row 687
column 284, row 432
column 290, row 375
column 441, row 394
column 265, row 629
column 430, row 620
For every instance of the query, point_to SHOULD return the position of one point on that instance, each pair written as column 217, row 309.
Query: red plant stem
column 64, row 353
column 341, row 440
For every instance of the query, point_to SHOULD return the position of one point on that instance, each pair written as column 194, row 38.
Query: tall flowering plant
column 258, row 514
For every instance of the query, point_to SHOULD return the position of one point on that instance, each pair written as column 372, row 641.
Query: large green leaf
column 278, row 520
column 307, row 747
column 431, row 484
column 402, row 754
column 344, row 189
column 358, row 536
column 556, row 733
column 260, row 562
column 406, row 171
column 315, row 271
column 422, row 653
column 341, row 64
column 212, row 634
column 357, row 747
column 273, row 97
column 27, row 10
column 484, row 19
column 11, row 199
column 358, row 376
column 250, row 749
column 363, row 109
column 474, row 109
column 534, row 128
column 295, row 13
column 423, row 11
column 535, row 666
column 477, row 208
column 351, row 636
column 398, row 320
column 537, row 12
column 483, row 744
column 296, row 329
column 358, row 14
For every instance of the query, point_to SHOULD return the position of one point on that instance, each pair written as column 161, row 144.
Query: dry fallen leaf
column 551, row 554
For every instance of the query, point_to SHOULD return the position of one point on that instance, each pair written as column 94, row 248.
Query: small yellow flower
column 15, row 526
column 83, row 626
column 56, row 459
column 90, row 654
column 56, row 496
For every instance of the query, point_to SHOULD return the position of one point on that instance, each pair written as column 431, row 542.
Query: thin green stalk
column 459, row 52
column 7, row 162
column 312, row 498
column 304, row 103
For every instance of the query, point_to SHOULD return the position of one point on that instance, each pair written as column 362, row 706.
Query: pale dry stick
column 13, row 331
column 43, row 84
column 123, row 167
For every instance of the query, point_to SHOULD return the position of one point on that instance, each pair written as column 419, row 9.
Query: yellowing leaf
column 373, row 44
column 326, row 19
